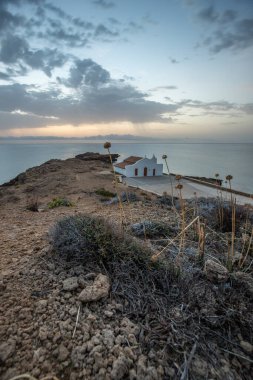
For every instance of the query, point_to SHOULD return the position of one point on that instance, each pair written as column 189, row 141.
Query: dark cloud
column 13, row 48
column 102, row 31
column 247, row 108
column 59, row 34
column 4, row 76
column 104, row 4
column 24, row 106
column 170, row 87
column 228, row 16
column 114, row 21
column 112, row 103
column 227, row 31
column 208, row 14
column 16, row 50
column 86, row 72
column 8, row 20
column 211, row 15
column 29, row 31
column 173, row 60
column 134, row 27
column 216, row 108
column 220, row 105
column 241, row 37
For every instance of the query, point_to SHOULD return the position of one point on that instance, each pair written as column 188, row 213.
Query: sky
column 168, row 69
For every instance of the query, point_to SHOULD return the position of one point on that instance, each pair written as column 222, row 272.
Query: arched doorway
column 145, row 171
column 153, row 172
column 135, row 172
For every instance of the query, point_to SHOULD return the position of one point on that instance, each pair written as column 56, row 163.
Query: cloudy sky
column 162, row 68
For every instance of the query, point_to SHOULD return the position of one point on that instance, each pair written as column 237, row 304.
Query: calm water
column 189, row 159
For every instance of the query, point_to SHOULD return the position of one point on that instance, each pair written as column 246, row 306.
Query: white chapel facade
column 134, row 166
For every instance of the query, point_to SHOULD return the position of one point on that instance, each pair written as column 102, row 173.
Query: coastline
column 55, row 332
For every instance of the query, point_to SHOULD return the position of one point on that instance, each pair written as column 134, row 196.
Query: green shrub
column 57, row 202
column 105, row 193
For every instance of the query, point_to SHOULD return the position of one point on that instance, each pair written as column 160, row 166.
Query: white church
column 134, row 166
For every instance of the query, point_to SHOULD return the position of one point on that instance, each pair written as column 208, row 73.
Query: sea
column 193, row 159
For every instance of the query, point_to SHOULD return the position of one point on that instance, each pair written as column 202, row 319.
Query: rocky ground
column 66, row 319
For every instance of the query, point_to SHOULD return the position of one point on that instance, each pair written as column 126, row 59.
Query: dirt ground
column 45, row 330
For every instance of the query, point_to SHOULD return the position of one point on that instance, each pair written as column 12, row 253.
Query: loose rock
column 7, row 349
column 98, row 290
column 70, row 283
column 216, row 272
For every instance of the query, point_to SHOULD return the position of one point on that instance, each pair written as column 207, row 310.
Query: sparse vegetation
column 101, row 247
column 190, row 320
column 57, row 202
column 105, row 193
column 33, row 206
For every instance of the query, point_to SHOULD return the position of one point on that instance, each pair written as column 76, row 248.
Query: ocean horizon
column 193, row 159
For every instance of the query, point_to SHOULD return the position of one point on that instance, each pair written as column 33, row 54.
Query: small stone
column 73, row 311
column 56, row 337
column 120, row 367
column 7, row 349
column 38, row 354
column 43, row 333
column 216, row 272
column 63, row 353
column 2, row 286
column 42, row 303
column 132, row 339
column 108, row 338
column 142, row 367
column 99, row 289
column 246, row 346
column 77, row 355
column 108, row 313
column 70, row 283
column 129, row 327
column 119, row 307
column 199, row 367
column 51, row 266
column 120, row 339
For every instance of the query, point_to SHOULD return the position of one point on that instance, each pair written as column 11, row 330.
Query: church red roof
column 128, row 161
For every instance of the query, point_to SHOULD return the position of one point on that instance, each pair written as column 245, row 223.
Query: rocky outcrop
column 88, row 156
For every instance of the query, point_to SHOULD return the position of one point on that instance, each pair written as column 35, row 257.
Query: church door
column 153, row 172
column 145, row 172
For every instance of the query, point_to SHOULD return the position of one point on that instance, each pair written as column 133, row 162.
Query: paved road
column 159, row 185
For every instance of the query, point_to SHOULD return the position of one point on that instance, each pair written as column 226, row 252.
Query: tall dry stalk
column 231, row 249
column 220, row 202
column 182, row 206
column 244, row 258
column 107, row 145
column 164, row 157
column 202, row 241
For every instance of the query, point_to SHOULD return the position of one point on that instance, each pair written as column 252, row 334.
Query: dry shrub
column 143, row 285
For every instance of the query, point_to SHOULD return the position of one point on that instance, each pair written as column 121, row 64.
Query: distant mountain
column 97, row 137
column 126, row 137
